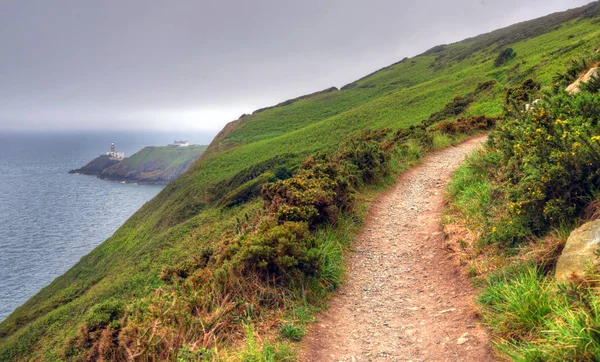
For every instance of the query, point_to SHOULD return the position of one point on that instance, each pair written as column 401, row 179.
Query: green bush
column 466, row 125
column 286, row 249
column 551, row 159
column 504, row 56
column 325, row 184
column 516, row 97
column 574, row 70
column 104, row 314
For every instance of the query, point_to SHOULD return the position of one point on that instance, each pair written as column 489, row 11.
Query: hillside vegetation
column 231, row 260
column 519, row 198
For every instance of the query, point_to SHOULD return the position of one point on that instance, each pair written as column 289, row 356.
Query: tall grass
column 516, row 302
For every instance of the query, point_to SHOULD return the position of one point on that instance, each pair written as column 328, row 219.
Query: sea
column 49, row 218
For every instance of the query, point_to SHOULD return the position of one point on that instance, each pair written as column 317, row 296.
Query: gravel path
column 403, row 299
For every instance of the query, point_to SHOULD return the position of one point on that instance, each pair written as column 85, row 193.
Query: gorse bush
column 550, row 158
column 516, row 97
column 466, row 125
column 322, row 188
column 286, row 249
column 314, row 195
column 325, row 185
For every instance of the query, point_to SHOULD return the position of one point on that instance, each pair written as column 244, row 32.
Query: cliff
column 96, row 166
column 151, row 165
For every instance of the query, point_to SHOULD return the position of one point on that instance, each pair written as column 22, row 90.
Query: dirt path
column 403, row 300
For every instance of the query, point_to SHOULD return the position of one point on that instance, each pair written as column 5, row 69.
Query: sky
column 196, row 65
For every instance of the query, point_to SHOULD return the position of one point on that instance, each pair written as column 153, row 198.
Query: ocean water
column 49, row 219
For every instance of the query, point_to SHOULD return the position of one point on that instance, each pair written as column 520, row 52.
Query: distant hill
column 151, row 165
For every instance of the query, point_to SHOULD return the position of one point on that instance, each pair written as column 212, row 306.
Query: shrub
column 516, row 97
column 325, row 184
column 279, row 250
column 504, row 56
column 466, row 125
column 574, row 70
column 103, row 314
column 550, row 159
column 313, row 195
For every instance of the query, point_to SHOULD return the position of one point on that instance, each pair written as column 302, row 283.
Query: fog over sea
column 49, row 219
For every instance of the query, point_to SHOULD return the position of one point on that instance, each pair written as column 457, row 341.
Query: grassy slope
column 164, row 156
column 181, row 217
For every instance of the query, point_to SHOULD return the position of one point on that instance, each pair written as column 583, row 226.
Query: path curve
column 403, row 299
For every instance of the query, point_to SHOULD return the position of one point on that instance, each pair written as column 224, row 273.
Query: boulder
column 579, row 252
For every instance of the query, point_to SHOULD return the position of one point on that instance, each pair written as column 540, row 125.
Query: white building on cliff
column 113, row 154
column 180, row 144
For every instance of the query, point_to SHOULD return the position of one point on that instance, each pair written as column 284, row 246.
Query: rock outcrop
column 574, row 88
column 580, row 251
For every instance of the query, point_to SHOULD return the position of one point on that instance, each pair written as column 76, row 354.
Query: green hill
column 154, row 165
column 207, row 263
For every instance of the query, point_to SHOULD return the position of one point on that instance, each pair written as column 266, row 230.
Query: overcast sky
column 115, row 64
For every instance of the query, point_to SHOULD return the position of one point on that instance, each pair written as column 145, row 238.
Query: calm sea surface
column 49, row 219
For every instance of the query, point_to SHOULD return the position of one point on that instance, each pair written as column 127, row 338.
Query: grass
column 292, row 332
column 516, row 302
column 164, row 156
column 184, row 220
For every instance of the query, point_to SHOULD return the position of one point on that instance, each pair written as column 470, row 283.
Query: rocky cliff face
column 96, row 166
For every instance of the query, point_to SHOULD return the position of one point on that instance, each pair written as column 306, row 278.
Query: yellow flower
column 494, row 229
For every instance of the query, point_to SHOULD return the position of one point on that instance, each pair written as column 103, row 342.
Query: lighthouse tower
column 113, row 154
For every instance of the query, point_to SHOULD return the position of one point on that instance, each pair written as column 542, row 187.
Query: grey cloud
column 197, row 64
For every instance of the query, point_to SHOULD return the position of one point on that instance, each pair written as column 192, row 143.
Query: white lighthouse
column 113, row 154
